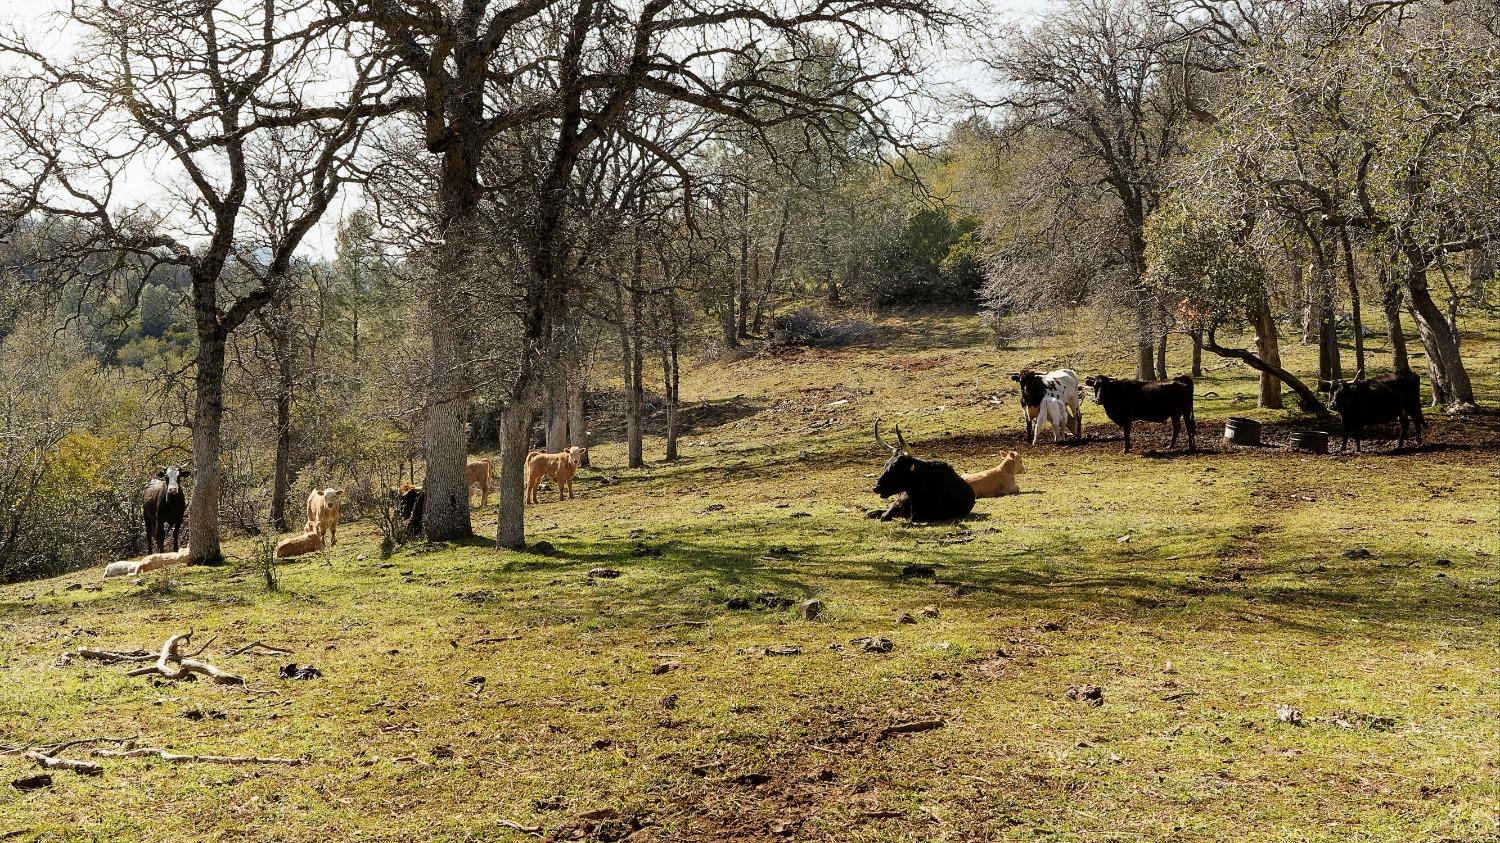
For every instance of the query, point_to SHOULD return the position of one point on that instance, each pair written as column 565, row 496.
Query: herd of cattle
column 929, row 490
column 921, row 490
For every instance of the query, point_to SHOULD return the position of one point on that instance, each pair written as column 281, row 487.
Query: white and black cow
column 163, row 505
column 1061, row 384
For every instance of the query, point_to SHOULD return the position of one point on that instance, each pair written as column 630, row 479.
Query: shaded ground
column 1199, row 591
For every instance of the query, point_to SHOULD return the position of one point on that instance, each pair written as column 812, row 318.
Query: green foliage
column 932, row 257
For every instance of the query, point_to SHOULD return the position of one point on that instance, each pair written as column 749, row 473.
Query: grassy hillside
column 1199, row 591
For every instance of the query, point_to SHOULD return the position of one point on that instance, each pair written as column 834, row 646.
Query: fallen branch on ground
column 176, row 758
column 174, row 666
column 680, row 623
column 524, row 829
column 111, row 657
column 52, row 762
column 269, row 650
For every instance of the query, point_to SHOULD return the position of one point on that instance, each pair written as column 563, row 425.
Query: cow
column 323, row 514
column 1061, row 384
column 922, row 491
column 149, row 562
column 1051, row 413
column 1394, row 397
column 163, row 505
column 997, row 481
column 477, row 473
column 1126, row 401
column 298, row 545
column 409, row 503
column 559, row 467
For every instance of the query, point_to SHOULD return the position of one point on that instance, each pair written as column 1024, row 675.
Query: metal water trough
column 1242, row 431
column 1310, row 440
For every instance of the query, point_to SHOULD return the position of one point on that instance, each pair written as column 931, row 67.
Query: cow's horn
column 882, row 441
column 900, row 440
column 1360, row 374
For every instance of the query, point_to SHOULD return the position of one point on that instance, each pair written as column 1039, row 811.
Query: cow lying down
column 920, row 490
column 291, row 546
column 149, row 562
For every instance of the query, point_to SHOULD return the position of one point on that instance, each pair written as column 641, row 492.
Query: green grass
column 1232, row 595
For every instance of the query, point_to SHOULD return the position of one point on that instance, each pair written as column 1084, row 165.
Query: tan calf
column 559, row 467
column 477, row 473
column 1000, row 480
column 298, row 545
column 323, row 514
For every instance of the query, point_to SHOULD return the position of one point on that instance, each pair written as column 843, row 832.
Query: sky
column 144, row 182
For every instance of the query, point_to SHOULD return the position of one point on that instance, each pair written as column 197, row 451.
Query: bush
column 808, row 327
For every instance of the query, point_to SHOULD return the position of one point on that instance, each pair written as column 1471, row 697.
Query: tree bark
column 1145, row 361
column 557, row 417
column 1391, row 304
column 281, row 337
column 635, row 384
column 577, row 412
column 1450, row 378
column 208, row 417
column 1197, row 371
column 742, row 322
column 1161, row 344
column 1268, row 349
column 515, row 421
column 1354, row 316
column 446, row 513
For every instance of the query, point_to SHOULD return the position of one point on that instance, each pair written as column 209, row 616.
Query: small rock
column 810, row 609
column 913, row 572
column 905, row 618
column 665, row 667
column 603, row 573
column 543, row 548
column 669, row 701
column 1168, row 668
column 1125, row 539
column 73, row 586
column 1357, row 553
column 785, row 650
column 928, row 612
column 874, row 645
column 738, row 604
column 362, row 557
column 1090, row 694
column 1289, row 715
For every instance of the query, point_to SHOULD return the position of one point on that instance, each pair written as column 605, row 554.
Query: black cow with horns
column 923, row 490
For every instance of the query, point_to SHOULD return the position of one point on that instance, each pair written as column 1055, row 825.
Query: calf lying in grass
column 1000, row 480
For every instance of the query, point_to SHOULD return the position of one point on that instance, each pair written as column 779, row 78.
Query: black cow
column 1126, row 401
column 410, row 501
column 163, row 505
column 1387, row 398
column 924, row 490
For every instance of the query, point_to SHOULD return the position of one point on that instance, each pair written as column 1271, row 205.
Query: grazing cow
column 1387, row 398
column 477, row 473
column 1126, row 401
column 1061, row 384
column 1000, row 480
column 923, row 490
column 323, row 514
column 298, row 545
column 163, row 504
column 409, row 502
column 1051, row 413
column 559, row 467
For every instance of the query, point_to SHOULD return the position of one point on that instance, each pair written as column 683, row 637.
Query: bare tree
column 194, row 92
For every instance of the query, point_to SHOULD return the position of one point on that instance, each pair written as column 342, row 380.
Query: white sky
column 40, row 22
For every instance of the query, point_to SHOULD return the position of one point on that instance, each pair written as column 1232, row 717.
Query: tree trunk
column 1267, row 348
column 510, row 529
column 1161, row 344
column 446, row 513
column 1354, row 316
column 775, row 267
column 671, row 375
column 1481, row 269
column 208, row 417
column 1305, row 302
column 281, row 337
column 1391, row 304
column 1145, row 361
column 1197, row 337
column 634, row 383
column 557, row 417
column 577, row 412
column 742, row 323
column 1449, row 377
column 1330, row 366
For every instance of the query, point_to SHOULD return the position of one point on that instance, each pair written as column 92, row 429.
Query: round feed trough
column 1242, row 431
column 1315, row 441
